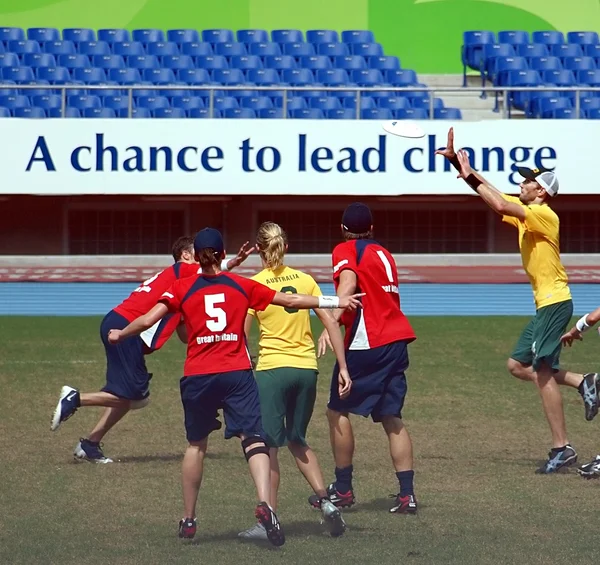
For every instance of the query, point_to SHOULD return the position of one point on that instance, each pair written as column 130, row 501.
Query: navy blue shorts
column 126, row 373
column 235, row 392
column 378, row 382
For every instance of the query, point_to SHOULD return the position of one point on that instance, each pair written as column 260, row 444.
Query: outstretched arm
column 139, row 324
column 306, row 302
column 583, row 324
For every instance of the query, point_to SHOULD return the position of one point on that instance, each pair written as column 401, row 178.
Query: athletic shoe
column 590, row 470
column 187, row 528
column 265, row 515
column 590, row 395
column 404, row 504
column 333, row 518
column 68, row 402
column 341, row 500
column 558, row 460
column 256, row 532
column 87, row 450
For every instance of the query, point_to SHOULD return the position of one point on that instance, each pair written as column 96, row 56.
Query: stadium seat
column 410, row 114
column 358, row 36
column 252, row 35
column 4, row 112
column 281, row 62
column 114, row 35
column 298, row 49
column 31, row 112
column 83, row 102
column 9, row 60
column 506, row 64
column 77, row 87
column 20, row 73
column 447, row 114
column 177, row 62
column 394, row 103
column 594, row 114
column 384, row 63
column 223, row 103
column 308, row 94
column 266, row 77
column 335, row 49
column 591, row 50
column 583, row 37
column 37, row 60
column 176, row 113
column 545, row 64
column 89, row 74
column 177, row 88
column 270, row 113
column 11, row 34
column 141, row 62
column 513, row 37
column 147, row 36
column 550, row 105
column 568, row 114
column 246, row 62
column 306, row 114
column 14, row 101
column 332, row 77
column 119, row 104
column 203, row 113
column 560, row 78
column 351, row 62
column 376, row 114
column 287, row 36
column 239, row 113
column 566, row 50
column 48, row 101
column 41, row 88
column 104, row 92
column 588, row 77
column 78, row 34
column 366, row 49
column 5, row 90
column 108, row 62
column 292, row 103
column 69, row 113
column 343, row 114
column 533, row 107
column 91, row 48
column 212, row 62
column 264, row 49
column 194, row 76
column 162, row 48
column 579, row 63
column 426, row 103
column 181, row 36
column 43, row 34
column 141, row 113
column 187, row 102
column 366, row 77
column 218, row 36
column 23, row 46
column 159, row 76
column 521, row 99
column 99, row 113
column 124, row 76
column 530, row 50
column 231, row 49
column 472, row 50
column 491, row 53
column 315, row 62
column 325, row 103
column 401, row 77
column 589, row 103
column 231, row 77
column 316, row 36
column 74, row 61
column 366, row 102
column 152, row 102
column 2, row 48
column 256, row 104
column 547, row 37
column 54, row 74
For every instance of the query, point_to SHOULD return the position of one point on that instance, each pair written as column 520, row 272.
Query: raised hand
column 448, row 151
column 245, row 251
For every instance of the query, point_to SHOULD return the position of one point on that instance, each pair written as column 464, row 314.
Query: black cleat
column 590, row 395
column 341, row 500
column 265, row 515
column 187, row 528
column 558, row 460
column 404, row 504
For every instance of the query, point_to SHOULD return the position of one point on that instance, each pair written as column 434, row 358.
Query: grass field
column 478, row 435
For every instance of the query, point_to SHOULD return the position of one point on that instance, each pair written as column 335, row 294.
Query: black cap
column 357, row 218
column 209, row 238
column 530, row 174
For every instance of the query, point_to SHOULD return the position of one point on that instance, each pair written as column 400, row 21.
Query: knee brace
column 249, row 441
column 139, row 404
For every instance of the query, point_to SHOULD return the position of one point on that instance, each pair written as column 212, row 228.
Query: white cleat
column 332, row 517
column 256, row 532
column 68, row 402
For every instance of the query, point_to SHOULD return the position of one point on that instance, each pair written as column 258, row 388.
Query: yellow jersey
column 540, row 252
column 286, row 338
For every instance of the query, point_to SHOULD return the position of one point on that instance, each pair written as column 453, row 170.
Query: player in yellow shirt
column 536, row 355
column 286, row 372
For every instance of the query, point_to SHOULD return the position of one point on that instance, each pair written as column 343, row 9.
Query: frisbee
column 403, row 128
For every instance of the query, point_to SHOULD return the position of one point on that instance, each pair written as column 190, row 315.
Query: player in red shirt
column 218, row 371
column 376, row 342
column 127, row 379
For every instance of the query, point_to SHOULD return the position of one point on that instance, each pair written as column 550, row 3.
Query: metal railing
column 503, row 94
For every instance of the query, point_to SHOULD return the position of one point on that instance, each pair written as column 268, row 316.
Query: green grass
column 478, row 435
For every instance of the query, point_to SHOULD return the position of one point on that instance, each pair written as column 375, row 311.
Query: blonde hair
column 271, row 241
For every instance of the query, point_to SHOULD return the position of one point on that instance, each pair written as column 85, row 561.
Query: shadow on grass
column 168, row 457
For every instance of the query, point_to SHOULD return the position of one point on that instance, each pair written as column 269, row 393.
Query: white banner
column 296, row 157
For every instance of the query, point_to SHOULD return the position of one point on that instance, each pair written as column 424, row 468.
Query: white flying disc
column 403, row 128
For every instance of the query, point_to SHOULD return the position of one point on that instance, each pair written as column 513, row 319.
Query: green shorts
column 287, row 398
column 540, row 341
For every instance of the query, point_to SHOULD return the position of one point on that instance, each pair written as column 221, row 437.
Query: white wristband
column 329, row 302
column 582, row 325
column 224, row 264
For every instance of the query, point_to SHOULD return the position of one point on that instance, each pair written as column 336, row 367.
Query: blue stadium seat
column 350, row 63
column 522, row 99
column 177, row 62
column 9, row 60
column 410, row 114
column 197, row 49
column 265, row 77
column 287, row 36
column 579, row 63
column 74, row 61
column 335, row 49
column 11, row 34
column 42, row 88
column 426, row 103
column 177, row 88
column 91, row 48
column 315, row 62
column 31, row 112
column 49, row 101
column 104, row 92
column 545, row 64
column 143, row 62
column 57, row 113
column 194, row 76
column 246, row 62
column 566, row 50
column 491, row 53
column 43, row 34
column 366, row 49
column 472, row 48
column 141, row 113
column 239, row 113
column 325, row 103
column 248, row 93
column 513, row 37
column 366, row 103
column 316, row 36
column 128, row 48
column 293, row 103
column 401, row 77
column 532, row 50
column 23, row 46
column 270, row 114
column 162, row 48
column 218, row 36
column 159, row 76
column 550, row 105
column 256, row 104
column 108, row 62
column 568, row 114
column 72, row 83
column 306, row 114
column 152, row 102
column 89, row 74
column 19, row 73
column 203, row 113
column 187, row 102
column 99, row 113
column 298, row 49
column 384, row 63
column 506, row 64
column 376, row 114
column 176, row 113
column 211, row 62
column 590, row 50
column 114, row 35
column 583, row 37
column 332, row 77
column 180, row 36
column 588, row 77
column 83, row 102
column 231, row 49
column 124, row 76
column 14, row 101
column 308, row 94
column 223, row 103
column 358, row 36
column 280, row 62
column 447, row 114
column 37, row 60
column 366, row 77
column 343, row 114
column 594, row 114
column 534, row 108
column 4, row 112
column 547, row 37
column 394, row 103
column 78, row 34
column 230, row 77
column 589, row 103
column 119, row 105
column 560, row 78
column 54, row 74
column 264, row 49
column 252, row 35
column 5, row 91
column 2, row 48
column 147, row 36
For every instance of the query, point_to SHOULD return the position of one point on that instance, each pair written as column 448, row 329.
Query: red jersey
column 214, row 308
column 380, row 321
column 145, row 297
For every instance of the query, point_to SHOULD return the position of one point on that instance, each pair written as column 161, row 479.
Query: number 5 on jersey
column 218, row 315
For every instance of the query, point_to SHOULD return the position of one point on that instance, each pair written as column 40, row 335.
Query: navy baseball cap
column 357, row 218
column 209, row 238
